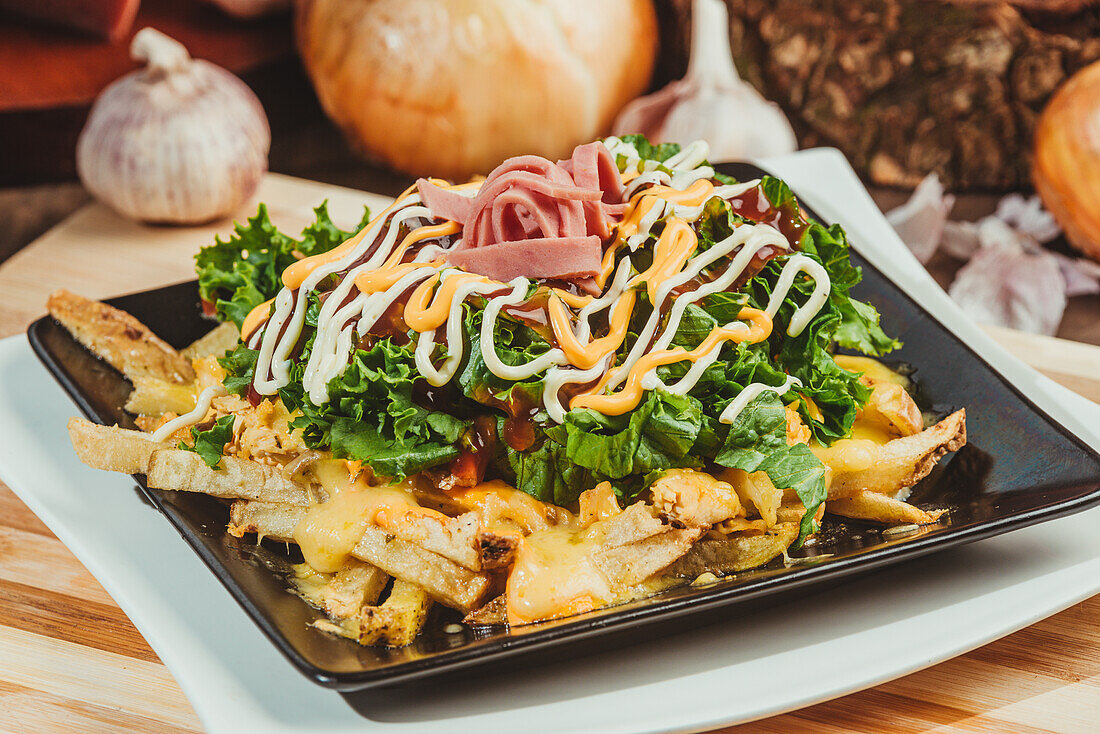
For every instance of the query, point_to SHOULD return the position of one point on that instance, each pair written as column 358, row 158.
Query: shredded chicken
column 691, row 498
column 261, row 433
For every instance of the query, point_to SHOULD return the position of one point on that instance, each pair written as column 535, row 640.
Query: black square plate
column 1021, row 467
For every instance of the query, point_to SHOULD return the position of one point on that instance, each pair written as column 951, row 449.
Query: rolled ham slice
column 564, row 258
column 535, row 218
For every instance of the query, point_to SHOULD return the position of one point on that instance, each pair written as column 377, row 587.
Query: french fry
column 903, row 461
column 459, row 539
column 185, row 471
column 867, row 505
column 215, row 342
column 353, row 586
column 398, row 620
column 445, row 580
column 494, row 612
column 631, row 564
column 119, row 339
column 725, row 555
column 111, row 448
column 891, row 406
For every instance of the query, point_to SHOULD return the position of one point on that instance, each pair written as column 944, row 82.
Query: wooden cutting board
column 70, row 660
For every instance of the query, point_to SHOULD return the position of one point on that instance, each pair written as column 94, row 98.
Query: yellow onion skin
column 1066, row 167
column 453, row 88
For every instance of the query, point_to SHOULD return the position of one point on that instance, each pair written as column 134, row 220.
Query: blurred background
column 974, row 105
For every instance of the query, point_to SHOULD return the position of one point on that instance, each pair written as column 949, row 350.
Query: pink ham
column 444, row 204
column 593, row 168
column 559, row 258
column 535, row 218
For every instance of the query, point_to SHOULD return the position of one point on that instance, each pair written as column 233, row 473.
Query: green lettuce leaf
column 210, row 444
column 371, row 415
column 647, row 151
column 239, row 364
column 240, row 273
column 757, row 441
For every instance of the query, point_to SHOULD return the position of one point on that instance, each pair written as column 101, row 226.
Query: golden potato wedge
column 214, row 343
column 494, row 612
column 341, row 594
column 891, row 407
column 398, row 620
column 111, row 448
column 460, row 539
column 732, row 553
column 185, row 471
column 867, row 505
column 119, row 339
column 899, row 463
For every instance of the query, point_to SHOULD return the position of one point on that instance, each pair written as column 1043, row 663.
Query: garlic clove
column 181, row 141
column 712, row 102
column 920, row 220
column 1028, row 216
column 1005, row 285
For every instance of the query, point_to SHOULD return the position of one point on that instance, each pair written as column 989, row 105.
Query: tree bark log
column 906, row 87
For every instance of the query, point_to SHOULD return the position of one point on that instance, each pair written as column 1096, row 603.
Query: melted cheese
column 330, row 530
column 872, row 368
column 554, row 576
column 859, row 452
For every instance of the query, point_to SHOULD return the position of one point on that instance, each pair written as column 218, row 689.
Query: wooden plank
column 1045, row 678
column 79, row 673
column 102, row 626
column 45, row 563
column 29, row 711
column 14, row 514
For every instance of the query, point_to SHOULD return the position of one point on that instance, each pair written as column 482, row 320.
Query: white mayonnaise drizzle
column 806, row 312
column 558, row 377
column 275, row 349
column 196, row 414
column 331, row 348
column 488, row 342
column 750, row 237
column 425, row 342
column 750, row 393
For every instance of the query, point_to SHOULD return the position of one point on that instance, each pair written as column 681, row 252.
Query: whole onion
column 181, row 141
column 453, row 88
column 1066, row 169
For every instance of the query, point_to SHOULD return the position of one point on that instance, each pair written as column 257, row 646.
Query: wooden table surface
column 70, row 660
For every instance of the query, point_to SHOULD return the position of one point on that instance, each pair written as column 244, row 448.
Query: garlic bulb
column 1066, row 167
column 181, row 141
column 711, row 103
